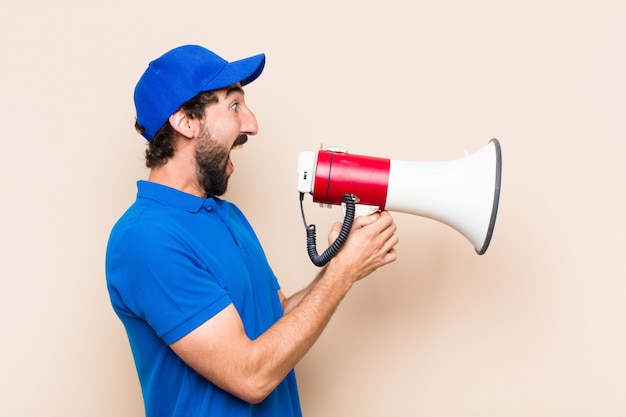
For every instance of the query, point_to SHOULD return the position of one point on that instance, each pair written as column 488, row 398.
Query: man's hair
column 162, row 146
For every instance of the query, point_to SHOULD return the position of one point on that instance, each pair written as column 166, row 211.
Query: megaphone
column 461, row 193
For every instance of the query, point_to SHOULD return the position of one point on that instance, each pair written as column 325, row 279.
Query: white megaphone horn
column 462, row 193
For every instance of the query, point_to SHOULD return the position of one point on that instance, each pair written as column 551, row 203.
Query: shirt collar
column 172, row 197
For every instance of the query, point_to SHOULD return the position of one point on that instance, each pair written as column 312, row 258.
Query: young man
column 210, row 330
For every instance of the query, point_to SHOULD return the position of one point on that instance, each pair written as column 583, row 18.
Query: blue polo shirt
column 173, row 261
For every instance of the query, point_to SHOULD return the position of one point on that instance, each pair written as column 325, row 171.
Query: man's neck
column 178, row 178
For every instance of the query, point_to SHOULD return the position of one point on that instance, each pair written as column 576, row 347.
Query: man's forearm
column 285, row 343
column 294, row 300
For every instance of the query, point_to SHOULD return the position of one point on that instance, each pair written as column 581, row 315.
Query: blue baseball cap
column 181, row 74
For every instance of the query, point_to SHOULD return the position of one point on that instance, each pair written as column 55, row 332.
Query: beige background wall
column 533, row 328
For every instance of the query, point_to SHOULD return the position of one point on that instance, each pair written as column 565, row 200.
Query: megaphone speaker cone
column 462, row 193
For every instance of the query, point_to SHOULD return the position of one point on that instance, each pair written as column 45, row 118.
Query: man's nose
column 249, row 124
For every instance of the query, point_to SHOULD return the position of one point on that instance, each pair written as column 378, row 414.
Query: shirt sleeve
column 158, row 279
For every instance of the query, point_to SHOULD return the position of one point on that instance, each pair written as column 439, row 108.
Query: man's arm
column 250, row 369
column 289, row 303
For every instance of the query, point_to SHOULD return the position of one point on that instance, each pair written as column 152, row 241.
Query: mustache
column 241, row 139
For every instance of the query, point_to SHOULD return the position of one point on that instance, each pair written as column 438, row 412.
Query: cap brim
column 243, row 71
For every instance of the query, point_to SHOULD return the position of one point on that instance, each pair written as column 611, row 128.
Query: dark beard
column 211, row 163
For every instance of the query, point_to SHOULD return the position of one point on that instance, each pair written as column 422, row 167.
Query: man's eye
column 234, row 106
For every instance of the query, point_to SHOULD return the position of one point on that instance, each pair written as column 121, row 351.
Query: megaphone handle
column 324, row 258
column 362, row 209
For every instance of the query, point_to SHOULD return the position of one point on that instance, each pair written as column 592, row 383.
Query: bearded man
column 211, row 332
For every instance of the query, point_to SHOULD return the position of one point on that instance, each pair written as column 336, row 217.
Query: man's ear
column 183, row 124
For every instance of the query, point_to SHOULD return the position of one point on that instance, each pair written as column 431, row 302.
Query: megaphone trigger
column 361, row 209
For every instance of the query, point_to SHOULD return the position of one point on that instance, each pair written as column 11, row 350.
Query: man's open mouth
column 241, row 139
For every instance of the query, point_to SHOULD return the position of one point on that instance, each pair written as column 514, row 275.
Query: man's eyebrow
column 234, row 89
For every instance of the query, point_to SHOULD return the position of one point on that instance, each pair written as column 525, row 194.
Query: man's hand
column 370, row 245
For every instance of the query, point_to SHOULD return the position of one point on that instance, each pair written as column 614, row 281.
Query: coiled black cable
column 311, row 241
